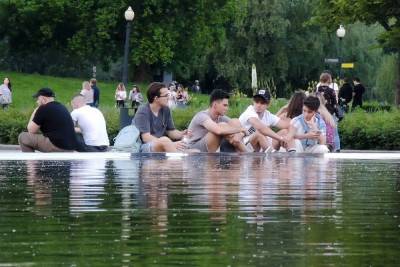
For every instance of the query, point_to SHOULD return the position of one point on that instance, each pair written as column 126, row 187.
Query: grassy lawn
column 25, row 85
column 358, row 130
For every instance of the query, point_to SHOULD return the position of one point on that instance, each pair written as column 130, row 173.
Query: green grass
column 15, row 119
column 359, row 130
column 25, row 85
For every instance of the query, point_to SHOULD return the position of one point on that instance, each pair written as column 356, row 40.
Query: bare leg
column 213, row 142
column 258, row 141
column 164, row 144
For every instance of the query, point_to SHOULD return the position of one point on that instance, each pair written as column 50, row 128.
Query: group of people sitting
column 301, row 126
column 305, row 124
column 83, row 130
column 178, row 96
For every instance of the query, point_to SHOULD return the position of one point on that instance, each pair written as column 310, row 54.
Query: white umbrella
column 254, row 78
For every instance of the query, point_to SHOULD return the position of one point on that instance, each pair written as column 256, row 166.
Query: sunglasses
column 166, row 95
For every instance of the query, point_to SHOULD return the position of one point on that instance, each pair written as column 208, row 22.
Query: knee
column 22, row 138
column 235, row 123
column 322, row 149
column 164, row 140
column 283, row 132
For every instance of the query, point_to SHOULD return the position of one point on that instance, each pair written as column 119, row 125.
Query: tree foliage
column 386, row 13
column 213, row 40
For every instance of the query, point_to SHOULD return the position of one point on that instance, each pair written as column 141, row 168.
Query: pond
column 204, row 209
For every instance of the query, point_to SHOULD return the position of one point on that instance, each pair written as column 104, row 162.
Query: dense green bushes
column 359, row 130
column 379, row 130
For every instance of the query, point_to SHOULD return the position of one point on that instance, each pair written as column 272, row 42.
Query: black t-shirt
column 56, row 123
column 358, row 92
column 346, row 92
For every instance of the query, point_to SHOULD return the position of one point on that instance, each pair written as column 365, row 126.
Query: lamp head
column 341, row 31
column 129, row 14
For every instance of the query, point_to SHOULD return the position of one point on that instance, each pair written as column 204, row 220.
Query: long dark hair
column 9, row 83
column 295, row 106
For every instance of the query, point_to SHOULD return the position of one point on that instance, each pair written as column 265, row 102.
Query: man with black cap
column 55, row 123
column 257, row 119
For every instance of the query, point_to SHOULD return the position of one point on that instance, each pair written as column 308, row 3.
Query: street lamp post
column 340, row 33
column 129, row 15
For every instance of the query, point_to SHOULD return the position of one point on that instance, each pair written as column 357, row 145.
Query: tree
column 384, row 12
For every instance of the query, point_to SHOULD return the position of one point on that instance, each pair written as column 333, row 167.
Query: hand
column 314, row 134
column 181, row 146
column 236, row 139
column 284, row 141
column 187, row 132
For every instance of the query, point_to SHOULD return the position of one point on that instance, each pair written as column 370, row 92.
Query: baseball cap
column 44, row 92
column 264, row 94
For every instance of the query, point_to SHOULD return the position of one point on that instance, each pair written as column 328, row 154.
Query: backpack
column 128, row 139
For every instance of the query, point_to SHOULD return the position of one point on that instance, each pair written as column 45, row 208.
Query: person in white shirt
column 257, row 119
column 90, row 123
column 87, row 92
column 120, row 95
column 331, row 84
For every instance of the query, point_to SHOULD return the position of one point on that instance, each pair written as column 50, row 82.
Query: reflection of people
column 86, row 185
column 155, row 124
column 55, row 123
column 91, row 124
column 41, row 186
column 154, row 176
column 309, row 129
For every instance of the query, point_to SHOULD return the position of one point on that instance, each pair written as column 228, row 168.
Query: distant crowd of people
column 308, row 123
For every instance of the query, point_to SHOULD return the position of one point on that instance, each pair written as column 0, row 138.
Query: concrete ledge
column 10, row 147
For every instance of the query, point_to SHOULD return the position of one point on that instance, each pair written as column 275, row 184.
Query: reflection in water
column 214, row 209
column 86, row 186
column 48, row 181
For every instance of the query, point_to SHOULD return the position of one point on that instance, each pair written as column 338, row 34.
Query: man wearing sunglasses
column 155, row 124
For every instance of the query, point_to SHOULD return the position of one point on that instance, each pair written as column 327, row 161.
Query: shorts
column 200, row 145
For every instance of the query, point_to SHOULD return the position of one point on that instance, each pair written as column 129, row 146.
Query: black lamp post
column 129, row 15
column 340, row 33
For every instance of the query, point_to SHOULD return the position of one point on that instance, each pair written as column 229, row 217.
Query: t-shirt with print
column 147, row 122
column 302, row 127
column 197, row 128
column 268, row 118
column 56, row 123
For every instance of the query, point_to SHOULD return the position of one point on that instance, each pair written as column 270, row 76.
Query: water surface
column 214, row 210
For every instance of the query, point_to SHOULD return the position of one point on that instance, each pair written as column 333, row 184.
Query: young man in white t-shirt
column 257, row 119
column 308, row 129
column 89, row 122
